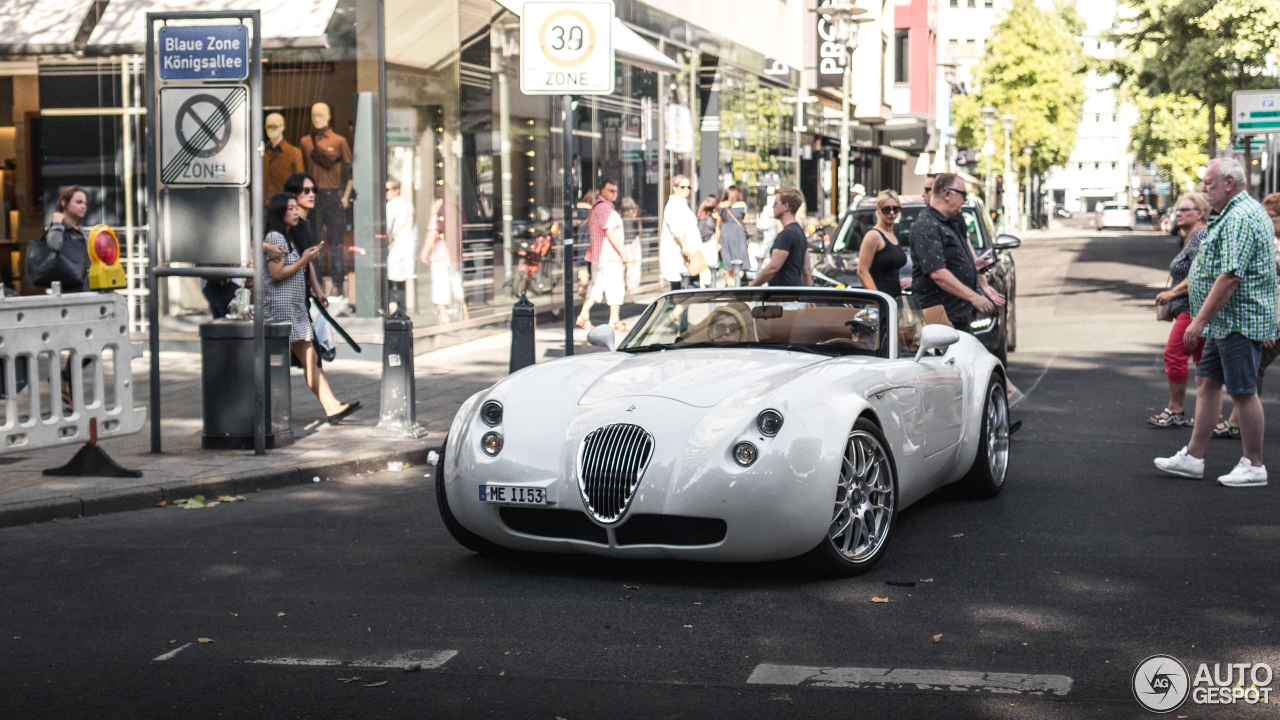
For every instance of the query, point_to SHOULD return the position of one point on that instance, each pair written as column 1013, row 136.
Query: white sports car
column 730, row 425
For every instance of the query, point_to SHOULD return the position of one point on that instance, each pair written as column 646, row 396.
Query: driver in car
column 864, row 326
column 724, row 326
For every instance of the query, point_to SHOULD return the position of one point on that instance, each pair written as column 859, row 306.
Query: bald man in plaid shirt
column 1232, row 286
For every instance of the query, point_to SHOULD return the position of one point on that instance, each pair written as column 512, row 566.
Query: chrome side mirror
column 602, row 336
column 936, row 336
column 1007, row 242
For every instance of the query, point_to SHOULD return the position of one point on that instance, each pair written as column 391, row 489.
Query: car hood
column 698, row 377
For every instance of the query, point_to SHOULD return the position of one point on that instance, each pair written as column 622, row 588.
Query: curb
column 141, row 497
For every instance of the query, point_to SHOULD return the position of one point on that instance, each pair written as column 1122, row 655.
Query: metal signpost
column 566, row 48
column 202, row 120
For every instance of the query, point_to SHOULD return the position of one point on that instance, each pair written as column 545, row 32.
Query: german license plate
column 513, row 494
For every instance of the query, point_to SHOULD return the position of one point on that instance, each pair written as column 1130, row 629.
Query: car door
column 942, row 404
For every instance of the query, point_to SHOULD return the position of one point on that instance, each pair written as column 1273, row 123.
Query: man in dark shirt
column 788, row 264
column 943, row 270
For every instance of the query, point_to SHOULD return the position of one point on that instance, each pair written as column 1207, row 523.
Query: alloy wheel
column 997, row 426
column 864, row 499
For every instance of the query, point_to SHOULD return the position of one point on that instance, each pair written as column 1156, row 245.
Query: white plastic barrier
column 64, row 361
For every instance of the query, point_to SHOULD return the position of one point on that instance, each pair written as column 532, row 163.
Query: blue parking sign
column 212, row 52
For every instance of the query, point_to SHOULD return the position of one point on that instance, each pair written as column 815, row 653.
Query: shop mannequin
column 324, row 152
column 280, row 160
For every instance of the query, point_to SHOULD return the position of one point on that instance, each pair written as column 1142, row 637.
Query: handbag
column 53, row 259
column 1162, row 310
column 697, row 262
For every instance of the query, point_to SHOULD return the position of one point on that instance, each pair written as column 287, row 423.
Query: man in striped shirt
column 1232, row 286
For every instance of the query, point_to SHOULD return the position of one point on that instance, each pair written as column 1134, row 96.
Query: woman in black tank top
column 880, row 256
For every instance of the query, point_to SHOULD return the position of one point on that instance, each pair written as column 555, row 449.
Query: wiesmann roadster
column 730, row 425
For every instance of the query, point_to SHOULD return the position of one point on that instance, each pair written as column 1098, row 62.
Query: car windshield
column 825, row 322
column 858, row 223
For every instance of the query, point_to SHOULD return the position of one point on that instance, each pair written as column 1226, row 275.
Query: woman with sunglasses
column 303, row 189
column 1192, row 218
column 880, row 257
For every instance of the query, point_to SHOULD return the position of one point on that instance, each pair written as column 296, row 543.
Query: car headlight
column 769, row 422
column 744, row 453
column 980, row 323
column 491, row 413
column 491, row 443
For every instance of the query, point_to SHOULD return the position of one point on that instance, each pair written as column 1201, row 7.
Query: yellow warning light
column 105, row 272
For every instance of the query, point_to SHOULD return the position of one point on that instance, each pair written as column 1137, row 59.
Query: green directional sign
column 1255, row 112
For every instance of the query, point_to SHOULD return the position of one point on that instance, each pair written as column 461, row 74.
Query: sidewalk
column 445, row 379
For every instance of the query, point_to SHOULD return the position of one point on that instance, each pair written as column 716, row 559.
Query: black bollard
column 397, row 416
column 523, row 351
column 686, row 281
column 737, row 273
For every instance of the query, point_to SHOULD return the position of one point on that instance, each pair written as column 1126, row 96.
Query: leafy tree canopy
column 1033, row 68
column 1171, row 132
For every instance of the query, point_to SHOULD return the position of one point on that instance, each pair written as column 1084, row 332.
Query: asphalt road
column 1088, row 563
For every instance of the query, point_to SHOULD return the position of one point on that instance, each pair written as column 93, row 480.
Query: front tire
column 985, row 478
column 866, row 504
column 465, row 537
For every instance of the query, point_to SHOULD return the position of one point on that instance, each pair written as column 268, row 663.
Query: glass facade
column 474, row 209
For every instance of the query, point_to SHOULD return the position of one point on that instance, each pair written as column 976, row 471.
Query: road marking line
column 878, row 678
column 429, row 662
column 169, row 655
column 314, row 662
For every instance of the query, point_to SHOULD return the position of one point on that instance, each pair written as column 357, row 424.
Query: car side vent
column 642, row 529
column 614, row 458
column 563, row 524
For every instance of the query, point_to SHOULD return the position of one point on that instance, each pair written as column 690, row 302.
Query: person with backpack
column 62, row 255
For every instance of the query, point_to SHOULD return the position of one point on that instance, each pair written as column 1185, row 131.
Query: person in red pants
column 1191, row 215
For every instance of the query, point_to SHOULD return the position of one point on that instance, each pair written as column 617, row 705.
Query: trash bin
column 227, row 384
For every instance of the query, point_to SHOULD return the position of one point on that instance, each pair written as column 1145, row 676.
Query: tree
column 1201, row 48
column 1034, row 69
column 1172, row 132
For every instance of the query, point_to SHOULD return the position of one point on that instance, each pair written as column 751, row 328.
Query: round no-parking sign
column 204, row 135
column 566, row 48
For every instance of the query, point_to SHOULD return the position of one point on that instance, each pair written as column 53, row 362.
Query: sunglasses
column 308, row 191
column 891, row 210
column 719, row 329
column 1187, row 210
column 961, row 193
column 683, row 187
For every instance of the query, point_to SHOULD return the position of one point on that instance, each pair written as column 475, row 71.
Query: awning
column 629, row 46
column 285, row 23
column 29, row 27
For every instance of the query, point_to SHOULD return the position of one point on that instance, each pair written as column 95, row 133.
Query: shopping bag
column 326, row 339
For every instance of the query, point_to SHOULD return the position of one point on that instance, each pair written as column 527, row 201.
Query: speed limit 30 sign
column 566, row 48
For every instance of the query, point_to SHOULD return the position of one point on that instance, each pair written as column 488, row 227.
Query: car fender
column 976, row 365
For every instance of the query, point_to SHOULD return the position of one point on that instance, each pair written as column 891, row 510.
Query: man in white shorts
column 608, row 267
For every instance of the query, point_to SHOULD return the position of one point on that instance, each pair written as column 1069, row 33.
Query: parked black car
column 1142, row 214
column 838, row 266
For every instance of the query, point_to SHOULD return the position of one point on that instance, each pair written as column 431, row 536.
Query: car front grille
column 642, row 529
column 614, row 458
column 563, row 524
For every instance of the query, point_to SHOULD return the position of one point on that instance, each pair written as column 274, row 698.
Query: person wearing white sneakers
column 1232, row 286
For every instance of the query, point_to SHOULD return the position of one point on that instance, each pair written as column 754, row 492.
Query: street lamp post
column 948, row 136
column 989, row 149
column 1010, row 191
column 844, row 20
column 1026, row 221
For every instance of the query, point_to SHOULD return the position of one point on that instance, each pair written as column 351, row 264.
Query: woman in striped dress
column 285, row 298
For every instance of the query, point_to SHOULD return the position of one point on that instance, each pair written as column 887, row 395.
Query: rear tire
column 465, row 537
column 986, row 477
column 866, row 506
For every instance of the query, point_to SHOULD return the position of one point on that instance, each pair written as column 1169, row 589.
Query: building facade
column 700, row 90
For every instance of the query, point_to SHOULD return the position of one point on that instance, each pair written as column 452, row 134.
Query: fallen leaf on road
column 279, row 614
column 170, row 642
column 937, row 638
column 162, row 503
column 927, row 580
column 231, row 498
column 631, row 587
column 413, row 667
column 347, row 680
column 377, row 684
column 504, row 672
column 880, row 599
column 784, row 698
column 235, row 614
column 202, row 641
column 1055, row 572
column 688, row 626
column 958, row 535
column 354, row 615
